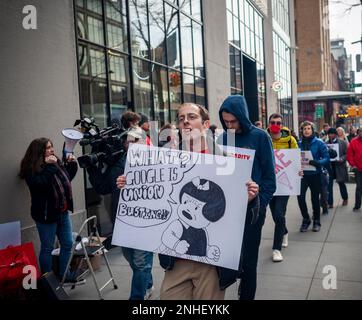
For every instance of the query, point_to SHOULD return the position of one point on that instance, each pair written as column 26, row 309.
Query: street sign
column 319, row 111
column 355, row 85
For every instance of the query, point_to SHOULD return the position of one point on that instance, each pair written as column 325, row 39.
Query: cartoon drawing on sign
column 283, row 179
column 201, row 203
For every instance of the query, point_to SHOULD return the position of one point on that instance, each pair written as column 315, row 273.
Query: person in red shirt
column 354, row 158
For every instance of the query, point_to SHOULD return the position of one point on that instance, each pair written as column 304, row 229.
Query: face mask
column 275, row 128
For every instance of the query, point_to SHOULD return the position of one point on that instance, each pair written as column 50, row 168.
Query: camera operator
column 105, row 183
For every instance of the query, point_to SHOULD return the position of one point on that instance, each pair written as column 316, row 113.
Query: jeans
column 314, row 183
column 342, row 190
column 358, row 175
column 278, row 208
column 324, row 189
column 47, row 232
column 141, row 263
column 250, row 252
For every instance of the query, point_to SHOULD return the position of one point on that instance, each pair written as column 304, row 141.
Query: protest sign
column 306, row 157
column 181, row 204
column 335, row 147
column 287, row 167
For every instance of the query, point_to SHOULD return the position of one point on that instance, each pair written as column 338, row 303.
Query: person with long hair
column 48, row 179
column 341, row 134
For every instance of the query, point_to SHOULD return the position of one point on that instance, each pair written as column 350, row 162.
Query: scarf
column 306, row 142
column 62, row 189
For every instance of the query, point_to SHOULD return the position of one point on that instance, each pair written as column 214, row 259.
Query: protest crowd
column 321, row 159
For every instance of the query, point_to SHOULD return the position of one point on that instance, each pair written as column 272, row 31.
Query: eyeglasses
column 278, row 123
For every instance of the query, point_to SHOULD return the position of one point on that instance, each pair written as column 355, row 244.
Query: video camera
column 107, row 144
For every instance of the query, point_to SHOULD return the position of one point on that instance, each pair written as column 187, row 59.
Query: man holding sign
column 281, row 139
column 312, row 178
column 186, row 247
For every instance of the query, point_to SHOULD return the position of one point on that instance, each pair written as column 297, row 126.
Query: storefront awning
column 319, row 95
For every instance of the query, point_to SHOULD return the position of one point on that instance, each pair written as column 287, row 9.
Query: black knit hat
column 143, row 120
column 332, row 131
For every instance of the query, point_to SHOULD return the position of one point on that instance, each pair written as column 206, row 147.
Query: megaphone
column 72, row 136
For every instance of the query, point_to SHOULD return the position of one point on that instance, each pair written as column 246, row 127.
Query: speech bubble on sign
column 151, row 174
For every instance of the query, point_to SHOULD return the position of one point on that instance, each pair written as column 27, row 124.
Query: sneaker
column 316, row 227
column 356, row 209
column 285, row 241
column 345, row 202
column 304, row 226
column 277, row 256
column 149, row 293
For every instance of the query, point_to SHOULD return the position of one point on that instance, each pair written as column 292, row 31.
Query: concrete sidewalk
column 299, row 277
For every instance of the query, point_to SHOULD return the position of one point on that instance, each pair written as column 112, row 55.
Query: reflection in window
column 172, row 37
column 160, row 94
column 118, row 68
column 157, row 31
column 95, row 6
column 198, row 50
column 139, row 29
column 175, row 93
column 142, row 86
column 196, row 9
column 189, row 88
column 200, row 91
column 186, row 44
column 83, row 60
column 81, row 26
column 95, row 30
column 98, row 65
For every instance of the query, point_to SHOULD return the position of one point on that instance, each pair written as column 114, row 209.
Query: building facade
column 98, row 58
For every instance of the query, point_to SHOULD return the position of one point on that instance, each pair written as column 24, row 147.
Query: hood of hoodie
column 237, row 106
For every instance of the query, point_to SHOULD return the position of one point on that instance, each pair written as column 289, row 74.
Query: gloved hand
column 314, row 163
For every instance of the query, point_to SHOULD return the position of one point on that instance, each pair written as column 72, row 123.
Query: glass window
column 117, row 67
column 236, row 32
column 95, row 30
column 98, row 65
column 160, row 94
column 186, row 45
column 229, row 5
column 189, row 88
column 172, row 37
column 230, row 26
column 120, row 97
column 142, row 86
column 235, row 8
column 185, row 5
column 200, row 91
column 139, row 29
column 175, row 93
column 196, row 9
column 79, row 3
column 157, row 31
column 198, row 50
column 83, row 60
column 81, row 27
column 95, row 6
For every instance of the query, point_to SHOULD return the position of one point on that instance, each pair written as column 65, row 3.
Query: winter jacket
column 286, row 141
column 251, row 137
column 319, row 152
column 339, row 168
column 354, row 153
column 41, row 188
column 105, row 182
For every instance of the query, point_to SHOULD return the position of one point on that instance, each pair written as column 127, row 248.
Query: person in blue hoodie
column 234, row 115
column 312, row 178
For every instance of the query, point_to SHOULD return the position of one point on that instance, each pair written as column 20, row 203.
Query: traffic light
column 175, row 79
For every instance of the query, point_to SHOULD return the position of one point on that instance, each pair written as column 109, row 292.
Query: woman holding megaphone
column 48, row 179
